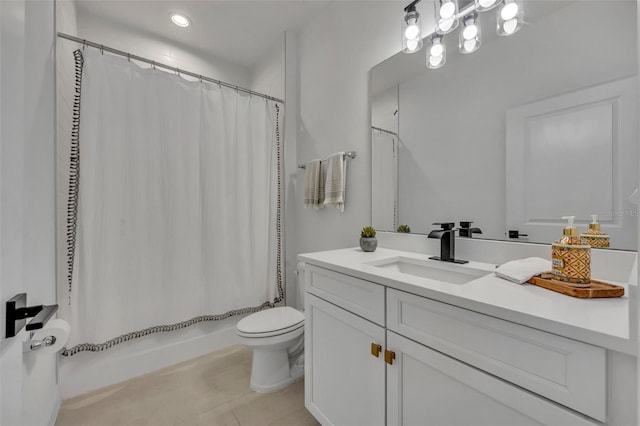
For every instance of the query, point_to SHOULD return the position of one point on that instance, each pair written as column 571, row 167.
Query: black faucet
column 447, row 236
column 466, row 230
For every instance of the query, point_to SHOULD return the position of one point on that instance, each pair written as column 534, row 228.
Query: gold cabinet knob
column 376, row 349
column 389, row 356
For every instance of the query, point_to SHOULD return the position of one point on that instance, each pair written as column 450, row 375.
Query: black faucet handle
column 465, row 224
column 446, row 226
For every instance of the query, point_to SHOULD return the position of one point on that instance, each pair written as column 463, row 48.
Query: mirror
column 529, row 128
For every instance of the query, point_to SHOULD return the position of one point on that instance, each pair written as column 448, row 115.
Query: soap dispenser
column 594, row 236
column 571, row 256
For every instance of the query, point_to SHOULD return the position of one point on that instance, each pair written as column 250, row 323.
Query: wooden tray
column 595, row 290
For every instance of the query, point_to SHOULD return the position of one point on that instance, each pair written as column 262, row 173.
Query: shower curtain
column 177, row 198
column 384, row 160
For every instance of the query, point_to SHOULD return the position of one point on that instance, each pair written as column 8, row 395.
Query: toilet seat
column 271, row 322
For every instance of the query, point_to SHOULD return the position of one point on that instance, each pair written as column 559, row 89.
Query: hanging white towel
column 521, row 271
column 314, row 185
column 334, row 188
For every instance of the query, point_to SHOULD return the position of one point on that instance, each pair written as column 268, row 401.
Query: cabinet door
column 344, row 382
column 427, row 387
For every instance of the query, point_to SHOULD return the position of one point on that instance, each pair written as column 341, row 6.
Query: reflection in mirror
column 529, row 128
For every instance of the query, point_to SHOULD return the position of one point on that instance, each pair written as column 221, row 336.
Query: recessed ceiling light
column 180, row 19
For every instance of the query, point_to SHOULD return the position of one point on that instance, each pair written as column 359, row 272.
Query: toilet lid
column 271, row 320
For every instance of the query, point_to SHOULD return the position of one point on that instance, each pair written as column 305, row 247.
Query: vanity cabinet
column 428, row 387
column 344, row 382
column 344, row 349
column 437, row 363
column 563, row 370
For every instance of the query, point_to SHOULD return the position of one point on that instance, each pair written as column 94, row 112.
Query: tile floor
column 212, row 390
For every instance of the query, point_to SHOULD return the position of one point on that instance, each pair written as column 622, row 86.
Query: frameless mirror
column 530, row 128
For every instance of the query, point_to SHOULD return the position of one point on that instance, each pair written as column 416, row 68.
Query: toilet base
column 270, row 371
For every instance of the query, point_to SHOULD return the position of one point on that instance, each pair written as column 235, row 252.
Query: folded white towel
column 521, row 271
column 314, row 185
column 334, row 188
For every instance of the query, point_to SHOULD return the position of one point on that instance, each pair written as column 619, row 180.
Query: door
column 575, row 155
column 428, row 387
column 28, row 388
column 344, row 381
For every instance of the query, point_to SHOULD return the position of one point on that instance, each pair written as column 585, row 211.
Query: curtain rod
column 178, row 71
column 384, row 131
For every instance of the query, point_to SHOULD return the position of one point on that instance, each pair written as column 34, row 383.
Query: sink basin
column 432, row 269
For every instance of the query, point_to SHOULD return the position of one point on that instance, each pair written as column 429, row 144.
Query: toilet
column 276, row 337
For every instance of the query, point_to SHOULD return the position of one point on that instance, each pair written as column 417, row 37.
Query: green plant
column 368, row 232
column 404, row 228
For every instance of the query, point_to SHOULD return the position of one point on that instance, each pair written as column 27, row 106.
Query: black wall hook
column 18, row 312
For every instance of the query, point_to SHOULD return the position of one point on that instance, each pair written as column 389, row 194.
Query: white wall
column 267, row 75
column 634, row 297
column 336, row 51
column 29, row 391
column 293, row 294
column 131, row 40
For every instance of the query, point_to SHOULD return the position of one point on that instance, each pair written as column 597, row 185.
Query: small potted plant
column 368, row 241
column 404, row 228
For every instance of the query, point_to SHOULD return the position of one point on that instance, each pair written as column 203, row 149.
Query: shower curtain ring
column 84, row 44
column 128, row 57
column 178, row 72
column 200, row 78
column 153, row 64
column 102, row 49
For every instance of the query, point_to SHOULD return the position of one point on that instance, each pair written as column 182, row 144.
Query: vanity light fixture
column 436, row 52
column 470, row 34
column 484, row 5
column 411, row 29
column 509, row 18
column 180, row 20
column 446, row 16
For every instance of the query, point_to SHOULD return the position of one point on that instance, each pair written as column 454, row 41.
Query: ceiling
column 239, row 31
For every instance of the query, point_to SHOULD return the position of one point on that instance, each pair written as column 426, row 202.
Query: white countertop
column 602, row 322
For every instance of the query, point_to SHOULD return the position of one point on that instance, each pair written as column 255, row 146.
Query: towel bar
column 348, row 154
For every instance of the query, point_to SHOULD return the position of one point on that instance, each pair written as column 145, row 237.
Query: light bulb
column 435, row 61
column 447, row 10
column 445, row 24
column 436, row 50
column 470, row 32
column 180, row 20
column 470, row 45
column 412, row 45
column 487, row 3
column 509, row 11
column 412, row 31
column 510, row 26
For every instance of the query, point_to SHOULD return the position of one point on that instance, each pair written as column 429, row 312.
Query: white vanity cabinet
column 563, row 370
column 344, row 382
column 427, row 387
column 437, row 363
column 344, row 349
column 459, row 367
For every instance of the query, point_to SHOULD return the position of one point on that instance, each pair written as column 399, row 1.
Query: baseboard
column 86, row 371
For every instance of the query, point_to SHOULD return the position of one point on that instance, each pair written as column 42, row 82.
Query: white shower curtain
column 177, row 202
